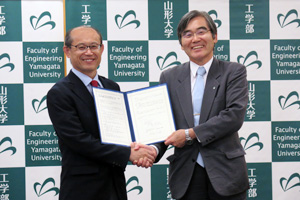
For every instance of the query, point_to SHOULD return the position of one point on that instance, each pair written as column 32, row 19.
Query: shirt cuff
column 157, row 151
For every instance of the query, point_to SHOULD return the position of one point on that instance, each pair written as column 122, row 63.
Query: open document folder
column 142, row 115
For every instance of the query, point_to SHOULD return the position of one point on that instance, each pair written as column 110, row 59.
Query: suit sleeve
column 228, row 111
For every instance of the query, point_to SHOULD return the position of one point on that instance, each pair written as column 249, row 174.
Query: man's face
column 87, row 60
column 198, row 44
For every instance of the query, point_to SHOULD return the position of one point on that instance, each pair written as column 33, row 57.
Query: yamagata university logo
column 128, row 19
column 290, row 18
column 39, row 105
column 6, row 64
column 6, row 146
column 251, row 59
column 251, row 142
column 168, row 61
column 292, row 99
column 135, row 181
column 214, row 16
column 43, row 20
column 46, row 187
column 291, row 182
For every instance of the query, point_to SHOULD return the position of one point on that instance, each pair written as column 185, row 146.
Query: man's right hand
column 142, row 155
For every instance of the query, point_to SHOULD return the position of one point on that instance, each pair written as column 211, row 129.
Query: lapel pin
column 214, row 87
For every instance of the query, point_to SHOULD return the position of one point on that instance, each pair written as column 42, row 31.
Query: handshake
column 145, row 155
column 142, row 155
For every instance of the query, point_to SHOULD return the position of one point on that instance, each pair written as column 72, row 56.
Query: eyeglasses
column 199, row 32
column 83, row 47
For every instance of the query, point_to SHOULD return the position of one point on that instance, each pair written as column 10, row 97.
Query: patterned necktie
column 94, row 83
column 197, row 102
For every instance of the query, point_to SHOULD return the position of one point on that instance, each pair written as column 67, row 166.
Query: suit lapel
column 211, row 88
column 80, row 89
column 104, row 82
column 184, row 95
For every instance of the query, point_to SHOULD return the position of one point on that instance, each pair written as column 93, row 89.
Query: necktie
column 197, row 102
column 94, row 83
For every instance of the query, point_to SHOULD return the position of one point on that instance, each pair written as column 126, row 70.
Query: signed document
column 142, row 115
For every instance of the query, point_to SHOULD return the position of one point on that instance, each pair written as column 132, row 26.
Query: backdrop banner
column 140, row 41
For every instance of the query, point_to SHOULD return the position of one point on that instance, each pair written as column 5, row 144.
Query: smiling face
column 199, row 48
column 86, row 61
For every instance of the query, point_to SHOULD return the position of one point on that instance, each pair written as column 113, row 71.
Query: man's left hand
column 176, row 139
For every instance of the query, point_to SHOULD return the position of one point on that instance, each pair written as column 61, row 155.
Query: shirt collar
column 194, row 67
column 84, row 78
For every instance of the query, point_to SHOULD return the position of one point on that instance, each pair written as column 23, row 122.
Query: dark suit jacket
column 222, row 115
column 90, row 170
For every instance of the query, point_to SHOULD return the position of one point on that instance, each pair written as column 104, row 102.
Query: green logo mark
column 11, row 148
column 135, row 179
column 282, row 19
column 163, row 65
column 252, row 141
column 36, row 104
column 286, row 187
column 250, row 56
column 122, row 24
column 284, row 101
column 41, row 186
column 217, row 21
column 12, row 66
column 37, row 20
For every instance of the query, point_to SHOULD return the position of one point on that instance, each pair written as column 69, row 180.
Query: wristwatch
column 188, row 139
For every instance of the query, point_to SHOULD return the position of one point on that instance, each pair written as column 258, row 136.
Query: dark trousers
column 200, row 188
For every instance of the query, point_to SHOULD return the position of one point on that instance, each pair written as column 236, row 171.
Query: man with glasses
column 208, row 162
column 90, row 170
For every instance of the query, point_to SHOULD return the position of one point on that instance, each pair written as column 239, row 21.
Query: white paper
column 150, row 113
column 112, row 117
